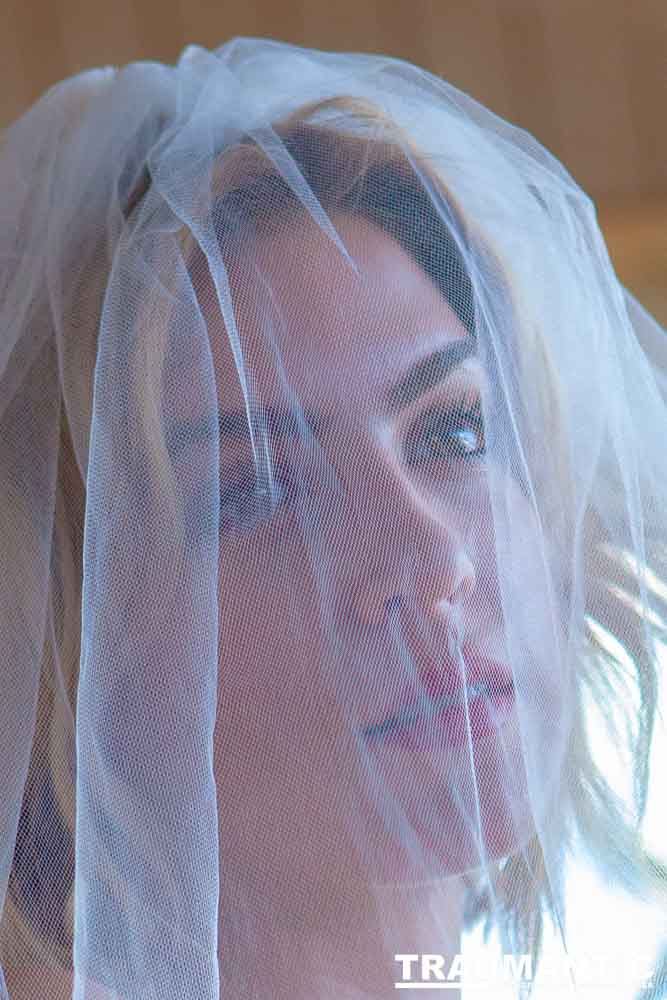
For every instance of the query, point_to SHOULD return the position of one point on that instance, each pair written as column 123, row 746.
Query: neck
column 349, row 955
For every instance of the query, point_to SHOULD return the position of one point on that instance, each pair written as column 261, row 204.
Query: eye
column 246, row 502
column 453, row 432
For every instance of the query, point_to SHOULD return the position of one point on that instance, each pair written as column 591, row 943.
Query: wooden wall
column 587, row 77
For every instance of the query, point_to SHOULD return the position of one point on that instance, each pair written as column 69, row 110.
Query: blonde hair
column 353, row 168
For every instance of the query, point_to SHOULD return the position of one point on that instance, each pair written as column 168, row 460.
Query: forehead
column 338, row 328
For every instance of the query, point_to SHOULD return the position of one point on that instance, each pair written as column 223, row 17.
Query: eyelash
column 440, row 420
column 437, row 422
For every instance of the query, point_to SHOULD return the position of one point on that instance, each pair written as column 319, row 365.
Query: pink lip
column 453, row 726
column 445, row 679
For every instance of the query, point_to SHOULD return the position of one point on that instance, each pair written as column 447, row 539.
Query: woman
column 333, row 470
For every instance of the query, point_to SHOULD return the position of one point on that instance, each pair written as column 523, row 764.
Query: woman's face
column 287, row 763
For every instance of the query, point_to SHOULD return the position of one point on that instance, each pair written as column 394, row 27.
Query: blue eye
column 443, row 428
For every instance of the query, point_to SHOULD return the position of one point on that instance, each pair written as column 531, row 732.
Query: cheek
column 270, row 648
column 266, row 592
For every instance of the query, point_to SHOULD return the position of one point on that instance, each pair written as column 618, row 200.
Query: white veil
column 334, row 501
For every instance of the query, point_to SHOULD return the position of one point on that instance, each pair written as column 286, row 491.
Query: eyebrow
column 420, row 378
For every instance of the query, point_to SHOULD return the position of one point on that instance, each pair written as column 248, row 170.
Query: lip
column 408, row 724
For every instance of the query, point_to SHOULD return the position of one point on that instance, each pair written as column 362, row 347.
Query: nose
column 405, row 550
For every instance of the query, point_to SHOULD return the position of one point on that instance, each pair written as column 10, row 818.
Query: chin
column 460, row 824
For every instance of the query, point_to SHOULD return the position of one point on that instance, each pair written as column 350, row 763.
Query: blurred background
column 587, row 77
